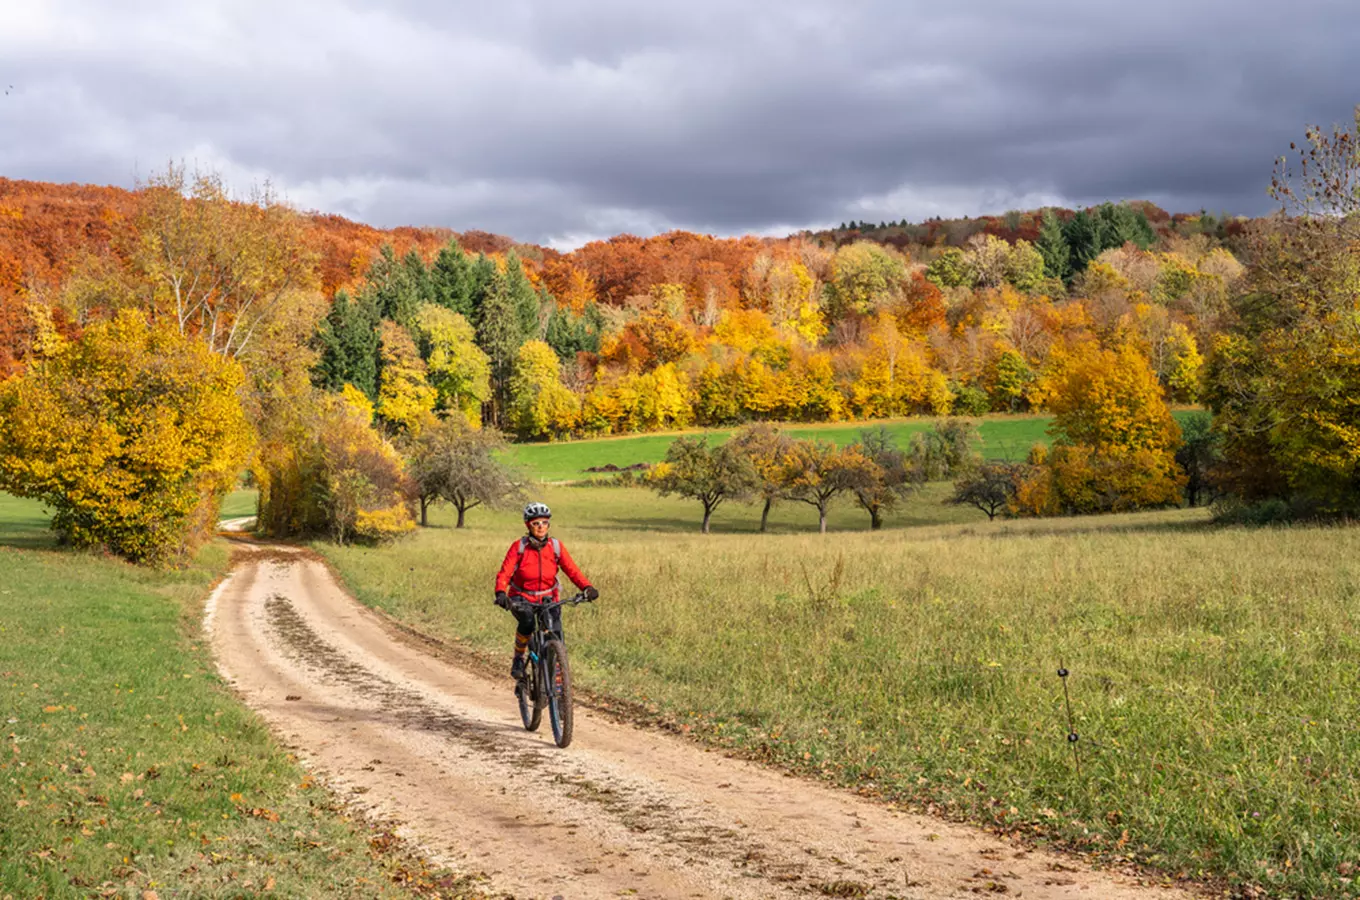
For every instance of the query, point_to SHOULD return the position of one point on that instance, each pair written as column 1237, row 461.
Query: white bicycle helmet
column 537, row 511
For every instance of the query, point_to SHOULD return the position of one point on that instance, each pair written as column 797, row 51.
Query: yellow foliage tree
column 896, row 379
column 457, row 368
column 132, row 435
column 405, row 398
column 1116, row 440
column 540, row 405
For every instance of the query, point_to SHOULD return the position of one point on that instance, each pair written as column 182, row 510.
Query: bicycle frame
column 547, row 681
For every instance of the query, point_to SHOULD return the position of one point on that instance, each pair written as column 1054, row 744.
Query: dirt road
column 622, row 812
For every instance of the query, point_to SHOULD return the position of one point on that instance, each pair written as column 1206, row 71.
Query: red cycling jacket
column 532, row 574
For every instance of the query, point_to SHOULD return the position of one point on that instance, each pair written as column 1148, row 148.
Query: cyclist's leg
column 525, row 627
column 555, row 622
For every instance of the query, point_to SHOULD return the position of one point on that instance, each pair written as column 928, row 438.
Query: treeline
column 803, row 334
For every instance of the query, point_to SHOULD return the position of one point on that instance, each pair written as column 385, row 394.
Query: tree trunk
column 765, row 513
column 707, row 513
column 460, row 516
column 875, row 519
column 821, row 515
column 424, row 505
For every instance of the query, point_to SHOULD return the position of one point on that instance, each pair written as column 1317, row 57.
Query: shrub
column 328, row 470
column 970, row 400
column 132, row 434
column 381, row 525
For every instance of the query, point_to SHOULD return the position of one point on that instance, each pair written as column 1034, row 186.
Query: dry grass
column 1214, row 675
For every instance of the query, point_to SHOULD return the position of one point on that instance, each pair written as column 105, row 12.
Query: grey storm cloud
column 564, row 121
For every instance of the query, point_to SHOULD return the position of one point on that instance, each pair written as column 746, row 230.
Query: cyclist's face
column 538, row 526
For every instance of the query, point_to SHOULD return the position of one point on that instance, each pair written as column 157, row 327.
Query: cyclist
column 529, row 573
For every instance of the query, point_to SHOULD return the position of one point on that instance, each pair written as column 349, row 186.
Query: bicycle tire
column 558, row 690
column 526, row 692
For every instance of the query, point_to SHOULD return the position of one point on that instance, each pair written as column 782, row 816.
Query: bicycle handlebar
column 526, row 606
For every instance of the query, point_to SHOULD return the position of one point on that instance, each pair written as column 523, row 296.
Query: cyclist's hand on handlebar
column 590, row 593
column 502, row 599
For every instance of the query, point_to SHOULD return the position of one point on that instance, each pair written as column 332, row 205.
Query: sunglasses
column 535, row 523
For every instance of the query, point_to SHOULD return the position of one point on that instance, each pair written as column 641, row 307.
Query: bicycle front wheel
column 526, row 692
column 558, row 689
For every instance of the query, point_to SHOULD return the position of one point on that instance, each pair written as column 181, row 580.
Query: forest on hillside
column 866, row 321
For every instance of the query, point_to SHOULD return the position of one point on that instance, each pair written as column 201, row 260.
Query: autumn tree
column 405, row 397
column 816, row 473
column 1284, row 382
column 694, row 470
column 216, row 267
column 132, row 434
column 989, row 486
column 866, row 276
column 324, row 470
column 765, row 446
column 888, row 480
column 540, row 405
column 456, row 367
column 1115, row 440
column 454, row 463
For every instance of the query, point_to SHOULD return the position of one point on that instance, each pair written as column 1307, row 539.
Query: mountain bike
column 547, row 676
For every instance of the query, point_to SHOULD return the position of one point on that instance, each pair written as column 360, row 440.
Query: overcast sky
column 558, row 122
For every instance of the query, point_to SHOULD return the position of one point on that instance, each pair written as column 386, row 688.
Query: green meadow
column 999, row 437
column 126, row 764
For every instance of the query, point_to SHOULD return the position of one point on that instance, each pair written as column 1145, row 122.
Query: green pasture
column 1001, row 437
column 1213, row 671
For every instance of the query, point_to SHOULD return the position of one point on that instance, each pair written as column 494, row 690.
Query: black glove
column 590, row 592
column 502, row 599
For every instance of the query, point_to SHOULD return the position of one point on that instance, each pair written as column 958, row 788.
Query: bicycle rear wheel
column 558, row 688
column 526, row 692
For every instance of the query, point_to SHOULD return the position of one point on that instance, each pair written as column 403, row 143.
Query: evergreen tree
column 330, row 370
column 360, row 340
column 481, row 277
column 396, row 285
column 417, row 276
column 569, row 334
column 499, row 334
column 523, row 296
column 1083, row 240
column 1052, row 246
column 1118, row 224
column 452, row 280
column 347, row 339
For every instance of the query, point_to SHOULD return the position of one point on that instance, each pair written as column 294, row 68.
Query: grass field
column 239, row 503
column 127, row 766
column 1002, row 437
column 1213, row 679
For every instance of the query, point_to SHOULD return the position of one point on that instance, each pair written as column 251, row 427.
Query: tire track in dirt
column 441, row 750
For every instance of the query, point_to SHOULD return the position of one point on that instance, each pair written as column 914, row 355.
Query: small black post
column 1071, row 725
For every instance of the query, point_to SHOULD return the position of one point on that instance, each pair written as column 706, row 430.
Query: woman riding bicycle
column 529, row 573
